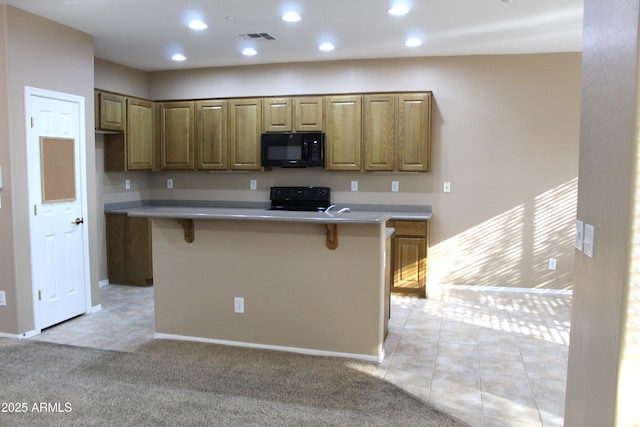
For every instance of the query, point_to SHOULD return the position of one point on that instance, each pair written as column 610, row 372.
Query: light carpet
column 177, row 383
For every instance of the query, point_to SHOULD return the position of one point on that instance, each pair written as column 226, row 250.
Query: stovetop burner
column 310, row 199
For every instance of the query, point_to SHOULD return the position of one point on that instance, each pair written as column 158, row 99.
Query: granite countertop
column 358, row 215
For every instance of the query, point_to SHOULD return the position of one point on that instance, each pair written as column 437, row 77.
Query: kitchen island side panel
column 297, row 292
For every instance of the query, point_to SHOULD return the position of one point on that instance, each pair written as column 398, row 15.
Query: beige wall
column 336, row 306
column 8, row 313
column 608, row 153
column 42, row 54
column 505, row 134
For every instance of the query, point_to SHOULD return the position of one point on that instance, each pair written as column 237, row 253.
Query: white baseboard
column 505, row 289
column 27, row 334
column 95, row 309
column 307, row 351
column 103, row 283
column 5, row 335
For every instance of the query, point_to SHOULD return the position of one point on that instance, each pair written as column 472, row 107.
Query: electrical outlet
column 127, row 184
column 354, row 185
column 253, row 184
column 552, row 263
column 395, row 186
column 238, row 304
column 3, row 298
column 446, row 187
column 169, row 183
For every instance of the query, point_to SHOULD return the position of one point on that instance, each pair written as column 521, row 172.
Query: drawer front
column 410, row 228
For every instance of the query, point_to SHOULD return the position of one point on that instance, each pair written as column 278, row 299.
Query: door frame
column 30, row 92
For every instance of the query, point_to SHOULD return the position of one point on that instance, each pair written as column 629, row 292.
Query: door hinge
column 35, row 209
column 39, row 295
column 33, row 122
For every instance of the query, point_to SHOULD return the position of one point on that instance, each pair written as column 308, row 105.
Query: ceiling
column 144, row 34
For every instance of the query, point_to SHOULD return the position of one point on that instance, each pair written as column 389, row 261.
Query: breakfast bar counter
column 310, row 282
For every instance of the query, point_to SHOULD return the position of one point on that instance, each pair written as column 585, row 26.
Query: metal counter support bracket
column 189, row 229
column 332, row 236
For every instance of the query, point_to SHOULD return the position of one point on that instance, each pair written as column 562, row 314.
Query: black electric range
column 311, row 199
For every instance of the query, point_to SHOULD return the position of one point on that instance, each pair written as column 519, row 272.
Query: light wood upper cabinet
column 298, row 114
column 110, row 112
column 308, row 114
column 414, row 132
column 379, row 129
column 244, row 130
column 139, row 137
column 177, row 135
column 277, row 115
column 343, row 132
column 211, row 135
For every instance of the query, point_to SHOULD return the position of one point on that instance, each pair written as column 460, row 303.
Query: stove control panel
column 320, row 194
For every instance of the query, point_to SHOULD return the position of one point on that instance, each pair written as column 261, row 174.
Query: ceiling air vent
column 253, row 36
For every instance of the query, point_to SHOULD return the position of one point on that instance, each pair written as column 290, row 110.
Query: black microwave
column 292, row 150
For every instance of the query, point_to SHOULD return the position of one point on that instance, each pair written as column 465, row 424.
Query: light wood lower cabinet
column 409, row 248
column 129, row 250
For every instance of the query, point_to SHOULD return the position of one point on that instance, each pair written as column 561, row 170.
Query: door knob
column 78, row 221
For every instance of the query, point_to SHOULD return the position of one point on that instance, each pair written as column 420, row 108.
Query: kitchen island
column 308, row 282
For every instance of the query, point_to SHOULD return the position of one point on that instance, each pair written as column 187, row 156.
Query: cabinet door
column 308, row 113
column 414, row 132
column 110, row 112
column 344, row 132
column 409, row 261
column 277, row 115
column 128, row 250
column 139, row 134
column 245, row 129
column 379, row 132
column 211, row 136
column 177, row 134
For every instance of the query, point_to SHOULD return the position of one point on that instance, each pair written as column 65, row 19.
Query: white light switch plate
column 589, row 232
column 446, row 187
column 579, row 234
column 354, row 185
column 3, row 298
column 253, row 184
column 395, row 186
column 127, row 184
column 169, row 183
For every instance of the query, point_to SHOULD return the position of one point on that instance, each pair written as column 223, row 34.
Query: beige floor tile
column 489, row 358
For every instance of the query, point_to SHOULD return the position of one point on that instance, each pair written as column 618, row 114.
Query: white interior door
column 59, row 260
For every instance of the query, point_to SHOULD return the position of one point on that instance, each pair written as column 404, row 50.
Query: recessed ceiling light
column 413, row 42
column 178, row 57
column 398, row 10
column 249, row 51
column 326, row 47
column 196, row 24
column 291, row 17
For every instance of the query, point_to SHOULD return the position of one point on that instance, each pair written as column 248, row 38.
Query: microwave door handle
column 305, row 145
